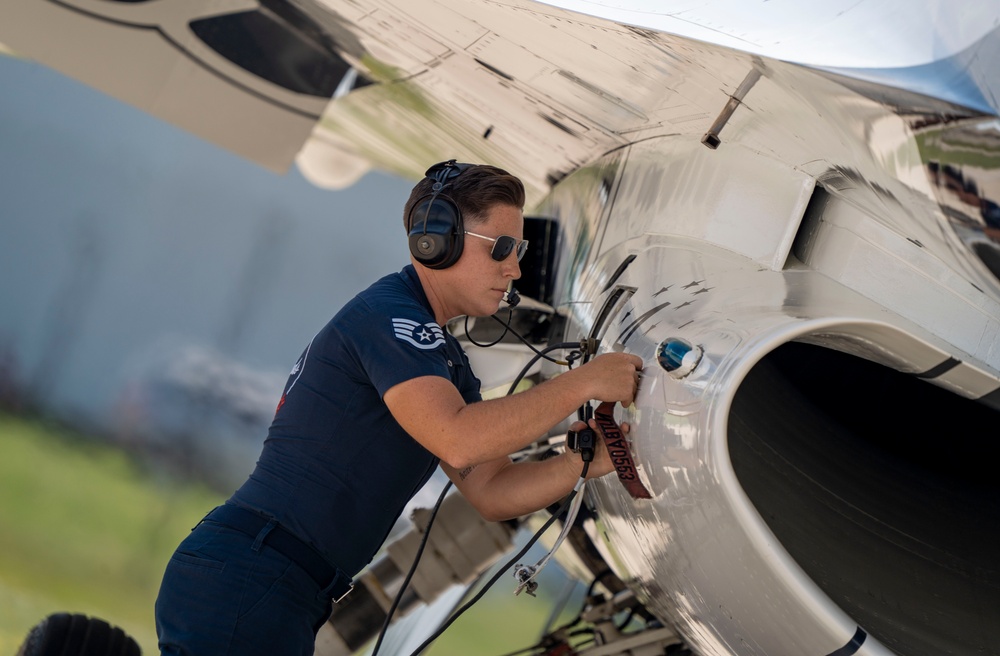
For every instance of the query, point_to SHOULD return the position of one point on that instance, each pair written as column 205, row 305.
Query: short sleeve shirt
column 336, row 467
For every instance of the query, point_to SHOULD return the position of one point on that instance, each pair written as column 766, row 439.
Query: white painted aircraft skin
column 827, row 238
column 840, row 33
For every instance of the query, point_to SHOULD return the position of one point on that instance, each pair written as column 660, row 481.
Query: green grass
column 85, row 529
column 500, row 623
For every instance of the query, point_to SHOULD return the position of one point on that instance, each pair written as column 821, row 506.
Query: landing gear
column 615, row 626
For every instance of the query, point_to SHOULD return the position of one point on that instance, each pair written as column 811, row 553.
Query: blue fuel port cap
column 678, row 356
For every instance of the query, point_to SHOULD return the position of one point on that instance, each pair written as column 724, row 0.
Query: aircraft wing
column 538, row 88
column 789, row 210
column 198, row 65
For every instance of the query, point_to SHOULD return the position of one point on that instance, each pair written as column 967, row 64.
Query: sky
column 143, row 270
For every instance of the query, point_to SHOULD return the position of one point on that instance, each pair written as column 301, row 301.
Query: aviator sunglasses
column 503, row 245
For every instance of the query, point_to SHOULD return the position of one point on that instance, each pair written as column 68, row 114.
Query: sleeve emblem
column 424, row 336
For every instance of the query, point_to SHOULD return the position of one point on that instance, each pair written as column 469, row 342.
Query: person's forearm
column 525, row 487
column 462, row 435
column 492, row 429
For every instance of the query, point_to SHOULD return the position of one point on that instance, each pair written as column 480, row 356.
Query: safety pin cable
column 526, row 574
column 489, row 584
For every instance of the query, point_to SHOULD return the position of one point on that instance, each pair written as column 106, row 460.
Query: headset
column 436, row 230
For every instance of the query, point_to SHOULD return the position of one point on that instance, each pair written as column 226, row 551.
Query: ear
column 437, row 235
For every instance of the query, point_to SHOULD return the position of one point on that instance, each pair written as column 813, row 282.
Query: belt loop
column 204, row 518
column 263, row 535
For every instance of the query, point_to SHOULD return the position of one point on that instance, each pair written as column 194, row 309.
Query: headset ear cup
column 428, row 249
column 436, row 233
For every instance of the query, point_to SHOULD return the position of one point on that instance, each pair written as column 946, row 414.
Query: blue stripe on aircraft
column 853, row 646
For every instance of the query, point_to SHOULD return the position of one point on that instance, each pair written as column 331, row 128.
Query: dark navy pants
column 226, row 593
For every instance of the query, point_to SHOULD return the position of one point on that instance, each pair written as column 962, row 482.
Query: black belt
column 286, row 543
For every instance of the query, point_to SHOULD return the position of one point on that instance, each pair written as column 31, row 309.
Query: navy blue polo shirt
column 336, row 468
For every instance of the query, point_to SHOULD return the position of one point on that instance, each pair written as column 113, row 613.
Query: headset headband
column 442, row 173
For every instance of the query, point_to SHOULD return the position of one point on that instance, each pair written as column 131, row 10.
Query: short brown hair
column 475, row 190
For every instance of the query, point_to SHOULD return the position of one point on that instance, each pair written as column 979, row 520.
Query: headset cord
column 505, row 324
column 507, row 328
column 574, row 355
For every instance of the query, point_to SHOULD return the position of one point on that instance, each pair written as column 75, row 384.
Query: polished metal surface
column 841, row 33
column 806, row 193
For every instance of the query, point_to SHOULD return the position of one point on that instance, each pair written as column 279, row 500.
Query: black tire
column 73, row 634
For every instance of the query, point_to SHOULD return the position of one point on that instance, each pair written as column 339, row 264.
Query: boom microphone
column 511, row 297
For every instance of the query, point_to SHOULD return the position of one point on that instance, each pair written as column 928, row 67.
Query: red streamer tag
column 619, row 452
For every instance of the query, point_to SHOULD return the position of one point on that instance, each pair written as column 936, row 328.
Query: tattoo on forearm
column 465, row 472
